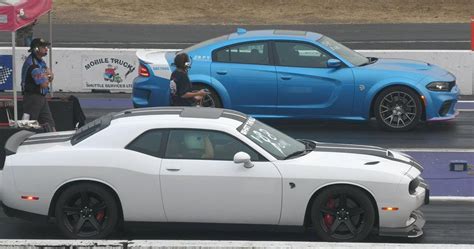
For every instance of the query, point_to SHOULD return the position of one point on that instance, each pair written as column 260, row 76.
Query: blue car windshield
column 273, row 141
column 350, row 55
column 203, row 44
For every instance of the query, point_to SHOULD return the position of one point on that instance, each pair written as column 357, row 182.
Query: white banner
column 105, row 72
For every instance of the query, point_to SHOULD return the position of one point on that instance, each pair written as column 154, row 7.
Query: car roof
column 183, row 112
column 275, row 33
column 178, row 113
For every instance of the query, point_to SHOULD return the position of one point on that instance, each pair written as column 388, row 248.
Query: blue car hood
column 408, row 66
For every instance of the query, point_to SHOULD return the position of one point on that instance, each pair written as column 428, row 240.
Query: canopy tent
column 15, row 14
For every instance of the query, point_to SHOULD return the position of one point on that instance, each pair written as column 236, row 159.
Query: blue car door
column 248, row 75
column 307, row 87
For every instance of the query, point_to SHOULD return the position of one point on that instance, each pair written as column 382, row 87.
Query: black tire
column 86, row 211
column 210, row 100
column 398, row 108
column 342, row 214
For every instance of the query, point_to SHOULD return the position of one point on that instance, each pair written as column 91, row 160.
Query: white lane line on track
column 362, row 42
column 422, row 41
column 466, row 101
column 466, row 110
column 452, row 198
column 433, row 150
column 189, row 43
column 118, row 43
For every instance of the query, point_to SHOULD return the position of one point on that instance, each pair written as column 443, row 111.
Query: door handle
column 221, row 72
column 285, row 77
column 173, row 169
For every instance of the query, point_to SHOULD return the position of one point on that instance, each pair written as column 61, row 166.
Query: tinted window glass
column 91, row 128
column 223, row 55
column 295, row 54
column 273, row 141
column 248, row 53
column 205, row 145
column 348, row 54
column 148, row 143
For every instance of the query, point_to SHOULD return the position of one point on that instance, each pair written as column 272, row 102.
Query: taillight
column 143, row 71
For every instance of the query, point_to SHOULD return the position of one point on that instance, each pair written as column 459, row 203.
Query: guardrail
column 87, row 69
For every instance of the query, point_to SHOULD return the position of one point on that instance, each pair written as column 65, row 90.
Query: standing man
column 181, row 93
column 35, row 80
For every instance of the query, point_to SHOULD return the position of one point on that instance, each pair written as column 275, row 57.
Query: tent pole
column 51, row 49
column 15, row 98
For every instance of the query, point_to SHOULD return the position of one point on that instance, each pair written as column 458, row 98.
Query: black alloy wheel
column 398, row 109
column 86, row 211
column 342, row 214
column 211, row 99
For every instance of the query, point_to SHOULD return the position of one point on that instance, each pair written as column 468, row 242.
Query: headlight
column 438, row 86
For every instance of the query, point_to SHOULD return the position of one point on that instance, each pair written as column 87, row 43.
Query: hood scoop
column 372, row 163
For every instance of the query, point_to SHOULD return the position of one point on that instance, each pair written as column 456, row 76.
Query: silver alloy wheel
column 398, row 109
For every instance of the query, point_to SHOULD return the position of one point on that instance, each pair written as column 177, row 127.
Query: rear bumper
column 11, row 212
column 412, row 231
column 150, row 92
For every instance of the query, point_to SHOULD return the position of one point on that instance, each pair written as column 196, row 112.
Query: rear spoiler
column 12, row 144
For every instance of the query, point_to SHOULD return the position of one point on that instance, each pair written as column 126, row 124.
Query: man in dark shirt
column 181, row 93
column 35, row 79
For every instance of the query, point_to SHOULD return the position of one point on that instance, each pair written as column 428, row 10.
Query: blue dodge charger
column 303, row 75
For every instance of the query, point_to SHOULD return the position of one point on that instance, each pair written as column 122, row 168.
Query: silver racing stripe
column 44, row 141
column 35, row 137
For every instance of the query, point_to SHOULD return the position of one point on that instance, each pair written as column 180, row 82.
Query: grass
column 253, row 12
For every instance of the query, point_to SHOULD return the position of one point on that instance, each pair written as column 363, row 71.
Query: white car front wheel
column 342, row 213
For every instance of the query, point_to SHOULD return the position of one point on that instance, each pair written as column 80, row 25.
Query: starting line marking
column 433, row 150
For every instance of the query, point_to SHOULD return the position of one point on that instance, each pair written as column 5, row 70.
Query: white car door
column 201, row 183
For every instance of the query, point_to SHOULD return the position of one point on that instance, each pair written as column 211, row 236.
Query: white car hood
column 358, row 156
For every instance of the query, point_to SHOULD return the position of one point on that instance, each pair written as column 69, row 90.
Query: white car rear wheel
column 86, row 211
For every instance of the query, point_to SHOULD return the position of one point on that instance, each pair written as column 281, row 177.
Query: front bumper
column 441, row 106
column 412, row 231
column 416, row 220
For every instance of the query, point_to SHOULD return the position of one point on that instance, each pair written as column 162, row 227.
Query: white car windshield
column 280, row 145
column 352, row 56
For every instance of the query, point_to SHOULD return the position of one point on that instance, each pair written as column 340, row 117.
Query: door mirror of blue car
column 334, row 63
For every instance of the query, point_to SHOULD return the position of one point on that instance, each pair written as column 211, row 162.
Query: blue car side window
column 297, row 54
column 247, row 53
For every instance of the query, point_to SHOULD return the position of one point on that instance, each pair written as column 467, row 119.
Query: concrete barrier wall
column 84, row 69
column 458, row 62
column 205, row 244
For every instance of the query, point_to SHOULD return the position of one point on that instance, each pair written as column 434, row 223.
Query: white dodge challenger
column 207, row 165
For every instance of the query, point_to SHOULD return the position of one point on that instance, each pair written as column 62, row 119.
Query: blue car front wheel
column 398, row 108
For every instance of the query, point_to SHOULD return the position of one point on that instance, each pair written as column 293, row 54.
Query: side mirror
column 334, row 63
column 242, row 157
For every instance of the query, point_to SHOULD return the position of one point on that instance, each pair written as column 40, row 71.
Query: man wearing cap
column 35, row 80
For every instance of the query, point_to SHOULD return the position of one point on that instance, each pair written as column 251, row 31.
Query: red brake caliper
column 100, row 215
column 329, row 219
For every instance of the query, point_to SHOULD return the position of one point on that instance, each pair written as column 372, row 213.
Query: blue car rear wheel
column 211, row 99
